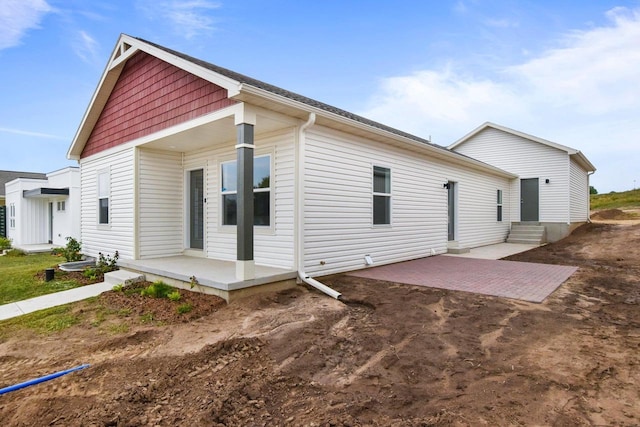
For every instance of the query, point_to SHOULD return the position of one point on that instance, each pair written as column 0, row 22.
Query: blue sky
column 567, row 71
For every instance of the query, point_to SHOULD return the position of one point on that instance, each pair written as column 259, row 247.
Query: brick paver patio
column 510, row 279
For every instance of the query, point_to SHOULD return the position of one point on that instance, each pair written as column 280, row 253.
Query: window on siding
column 261, row 191
column 381, row 195
column 499, row 205
column 12, row 215
column 61, row 206
column 104, row 190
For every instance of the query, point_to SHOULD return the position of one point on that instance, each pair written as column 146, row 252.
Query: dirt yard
column 393, row 355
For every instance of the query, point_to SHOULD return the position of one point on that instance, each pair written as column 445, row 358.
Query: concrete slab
column 8, row 311
column 510, row 279
column 37, row 248
column 496, row 251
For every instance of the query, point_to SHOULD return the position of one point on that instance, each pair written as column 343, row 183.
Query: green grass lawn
column 18, row 279
column 625, row 199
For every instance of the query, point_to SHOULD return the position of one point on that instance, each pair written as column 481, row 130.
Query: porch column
column 245, row 266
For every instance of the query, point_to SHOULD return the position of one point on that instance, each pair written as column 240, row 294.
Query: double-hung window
column 261, row 191
column 61, row 206
column 499, row 205
column 381, row 195
column 104, row 189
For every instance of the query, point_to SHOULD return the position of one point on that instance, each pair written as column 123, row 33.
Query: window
column 381, row 195
column 261, row 191
column 103, row 197
column 61, row 206
column 12, row 215
column 499, row 205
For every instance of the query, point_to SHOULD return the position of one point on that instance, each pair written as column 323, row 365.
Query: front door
column 50, row 222
column 451, row 195
column 529, row 200
column 196, row 209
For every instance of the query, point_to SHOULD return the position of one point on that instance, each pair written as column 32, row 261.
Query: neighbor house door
column 50, row 222
column 196, row 209
column 529, row 200
column 451, row 196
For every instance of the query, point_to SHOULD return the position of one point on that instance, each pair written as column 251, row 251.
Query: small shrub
column 91, row 273
column 174, row 296
column 146, row 318
column 71, row 252
column 5, row 243
column 184, row 308
column 107, row 263
column 118, row 287
column 157, row 289
column 15, row 252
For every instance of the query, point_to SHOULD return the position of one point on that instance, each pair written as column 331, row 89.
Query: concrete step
column 122, row 277
column 526, row 235
column 524, row 241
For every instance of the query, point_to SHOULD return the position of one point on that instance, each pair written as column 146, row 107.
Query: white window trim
column 259, row 229
column 100, row 172
column 389, row 195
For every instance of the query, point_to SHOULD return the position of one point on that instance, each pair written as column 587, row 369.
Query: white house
column 553, row 180
column 185, row 164
column 44, row 211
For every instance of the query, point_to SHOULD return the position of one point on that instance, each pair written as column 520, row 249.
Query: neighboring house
column 44, row 210
column 6, row 176
column 180, row 157
column 553, row 184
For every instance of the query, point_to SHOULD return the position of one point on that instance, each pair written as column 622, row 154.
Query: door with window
column 196, row 209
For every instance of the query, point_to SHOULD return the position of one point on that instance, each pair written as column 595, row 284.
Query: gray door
column 451, row 193
column 529, row 199
column 196, row 209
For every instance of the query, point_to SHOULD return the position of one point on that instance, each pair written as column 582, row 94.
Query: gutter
column 300, row 212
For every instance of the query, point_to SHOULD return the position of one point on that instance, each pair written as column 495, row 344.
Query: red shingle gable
column 152, row 95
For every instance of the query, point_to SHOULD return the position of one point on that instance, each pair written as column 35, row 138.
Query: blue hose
column 41, row 379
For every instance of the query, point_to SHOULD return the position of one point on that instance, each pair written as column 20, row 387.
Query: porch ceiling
column 210, row 133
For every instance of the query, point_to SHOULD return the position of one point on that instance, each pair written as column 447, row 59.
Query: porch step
column 526, row 233
column 122, row 277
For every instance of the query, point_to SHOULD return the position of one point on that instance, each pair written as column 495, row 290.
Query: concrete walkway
column 19, row 308
column 496, row 251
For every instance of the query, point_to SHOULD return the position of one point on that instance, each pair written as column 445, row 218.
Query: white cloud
column 582, row 93
column 86, row 47
column 19, row 16
column 30, row 133
column 187, row 18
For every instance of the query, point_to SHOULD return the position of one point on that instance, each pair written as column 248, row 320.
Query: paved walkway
column 510, row 279
column 19, row 308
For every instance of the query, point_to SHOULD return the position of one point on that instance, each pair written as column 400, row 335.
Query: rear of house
column 553, row 180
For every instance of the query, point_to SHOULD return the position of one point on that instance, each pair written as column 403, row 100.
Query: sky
column 566, row 71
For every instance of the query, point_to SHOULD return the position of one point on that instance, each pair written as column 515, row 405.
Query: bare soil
column 393, row 355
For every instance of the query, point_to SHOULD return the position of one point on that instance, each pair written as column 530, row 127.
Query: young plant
column 157, row 289
column 107, row 263
column 71, row 252
column 184, row 308
column 5, row 243
column 174, row 296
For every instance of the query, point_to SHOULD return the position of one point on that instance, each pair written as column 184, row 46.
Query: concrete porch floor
column 37, row 248
column 210, row 273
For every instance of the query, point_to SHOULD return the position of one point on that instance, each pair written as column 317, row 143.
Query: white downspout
column 301, row 223
column 589, row 195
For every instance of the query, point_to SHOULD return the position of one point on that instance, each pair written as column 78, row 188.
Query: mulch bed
column 161, row 309
column 78, row 276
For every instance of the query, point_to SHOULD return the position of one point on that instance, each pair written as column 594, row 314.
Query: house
column 196, row 173
column 44, row 210
column 6, row 176
column 552, row 188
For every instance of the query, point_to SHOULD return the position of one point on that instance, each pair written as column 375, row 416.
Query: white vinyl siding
column 119, row 235
column 339, row 229
column 528, row 159
column 579, row 193
column 274, row 244
column 161, row 203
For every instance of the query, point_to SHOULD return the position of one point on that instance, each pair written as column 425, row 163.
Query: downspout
column 301, row 223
